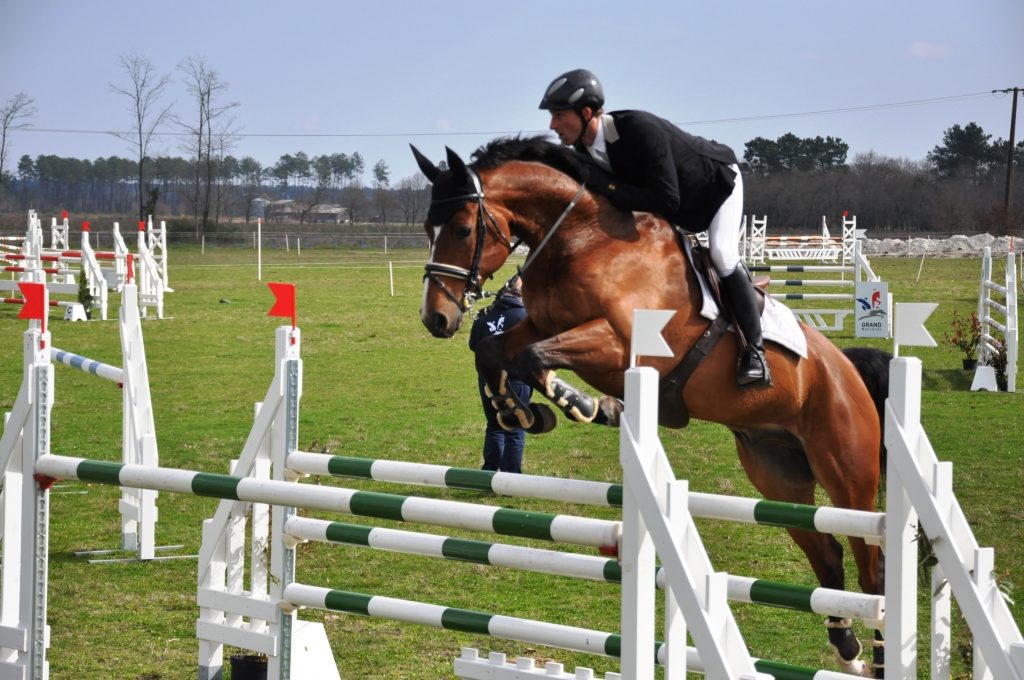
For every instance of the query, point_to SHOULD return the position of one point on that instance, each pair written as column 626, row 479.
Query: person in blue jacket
column 503, row 449
column 648, row 164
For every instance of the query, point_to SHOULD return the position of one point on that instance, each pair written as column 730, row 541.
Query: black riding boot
column 752, row 367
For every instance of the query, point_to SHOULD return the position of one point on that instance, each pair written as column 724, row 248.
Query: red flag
column 35, row 302
column 846, row 213
column 284, row 301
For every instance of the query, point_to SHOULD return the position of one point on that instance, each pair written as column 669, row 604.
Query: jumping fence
column 260, row 614
column 137, row 507
column 849, row 267
column 997, row 311
column 104, row 272
column 825, row 248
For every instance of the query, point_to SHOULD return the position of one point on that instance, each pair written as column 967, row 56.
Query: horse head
column 468, row 240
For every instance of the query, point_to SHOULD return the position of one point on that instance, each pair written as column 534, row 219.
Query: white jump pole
column 259, row 249
column 391, row 278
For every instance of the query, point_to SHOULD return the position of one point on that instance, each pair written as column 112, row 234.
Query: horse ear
column 455, row 163
column 428, row 168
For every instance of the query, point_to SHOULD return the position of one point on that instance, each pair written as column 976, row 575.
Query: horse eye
column 462, row 231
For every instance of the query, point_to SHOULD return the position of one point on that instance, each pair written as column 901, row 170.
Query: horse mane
column 499, row 151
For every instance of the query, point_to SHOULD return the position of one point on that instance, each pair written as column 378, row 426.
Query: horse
column 590, row 266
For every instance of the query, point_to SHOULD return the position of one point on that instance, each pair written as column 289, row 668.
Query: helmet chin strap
column 583, row 128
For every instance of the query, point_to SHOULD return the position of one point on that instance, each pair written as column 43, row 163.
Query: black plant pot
column 248, row 667
column 970, row 364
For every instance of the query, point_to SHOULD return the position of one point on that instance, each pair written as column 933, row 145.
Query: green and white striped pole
column 443, row 476
column 453, row 514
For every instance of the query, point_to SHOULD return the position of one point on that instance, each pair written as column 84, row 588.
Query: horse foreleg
column 492, row 353
column 588, row 349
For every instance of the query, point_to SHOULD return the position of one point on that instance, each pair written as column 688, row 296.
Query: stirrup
column 745, row 377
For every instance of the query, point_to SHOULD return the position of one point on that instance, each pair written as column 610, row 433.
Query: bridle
column 473, row 290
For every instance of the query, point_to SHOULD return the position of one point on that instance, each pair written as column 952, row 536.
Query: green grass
column 377, row 385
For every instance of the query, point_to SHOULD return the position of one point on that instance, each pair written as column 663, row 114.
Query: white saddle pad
column 778, row 323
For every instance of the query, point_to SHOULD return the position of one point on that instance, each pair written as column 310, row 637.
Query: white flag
column 909, row 324
column 647, row 340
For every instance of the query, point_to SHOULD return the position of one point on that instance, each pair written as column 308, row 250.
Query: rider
column 656, row 167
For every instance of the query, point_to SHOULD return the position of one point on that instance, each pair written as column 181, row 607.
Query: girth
column 672, row 410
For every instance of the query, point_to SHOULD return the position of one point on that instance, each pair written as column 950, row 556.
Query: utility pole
column 1008, row 196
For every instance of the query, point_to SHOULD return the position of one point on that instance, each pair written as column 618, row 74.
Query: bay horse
column 587, row 271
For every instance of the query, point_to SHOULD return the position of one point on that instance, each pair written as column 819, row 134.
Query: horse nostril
column 439, row 324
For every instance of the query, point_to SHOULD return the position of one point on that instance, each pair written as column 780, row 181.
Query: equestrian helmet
column 573, row 90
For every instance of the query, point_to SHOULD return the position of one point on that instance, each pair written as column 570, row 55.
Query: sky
column 340, row 77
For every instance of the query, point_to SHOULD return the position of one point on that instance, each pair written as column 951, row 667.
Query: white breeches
column 724, row 232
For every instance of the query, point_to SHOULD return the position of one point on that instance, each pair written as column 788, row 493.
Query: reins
column 554, row 228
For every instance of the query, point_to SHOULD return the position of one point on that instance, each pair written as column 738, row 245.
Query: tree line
column 958, row 187
column 110, row 186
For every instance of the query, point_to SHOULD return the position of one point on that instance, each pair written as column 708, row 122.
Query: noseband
column 473, row 289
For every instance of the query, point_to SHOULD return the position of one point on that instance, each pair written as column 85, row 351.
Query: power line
column 340, row 135
column 849, row 109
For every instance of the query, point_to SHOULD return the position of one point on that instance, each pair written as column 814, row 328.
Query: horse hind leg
column 778, row 468
column 825, row 554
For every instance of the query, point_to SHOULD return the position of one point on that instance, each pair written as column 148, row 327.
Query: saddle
column 672, row 410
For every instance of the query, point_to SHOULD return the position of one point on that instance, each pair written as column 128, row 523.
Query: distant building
column 291, row 211
column 258, row 207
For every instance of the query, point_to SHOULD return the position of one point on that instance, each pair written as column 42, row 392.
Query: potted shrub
column 965, row 334
column 248, row 666
column 997, row 360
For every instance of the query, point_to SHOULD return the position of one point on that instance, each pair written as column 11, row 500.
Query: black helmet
column 574, row 90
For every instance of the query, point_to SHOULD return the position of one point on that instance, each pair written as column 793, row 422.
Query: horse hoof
column 855, row 667
column 544, row 419
column 608, row 411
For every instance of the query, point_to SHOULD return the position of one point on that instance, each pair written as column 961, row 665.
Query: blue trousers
column 503, row 449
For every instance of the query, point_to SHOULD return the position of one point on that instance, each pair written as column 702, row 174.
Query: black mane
column 499, row 151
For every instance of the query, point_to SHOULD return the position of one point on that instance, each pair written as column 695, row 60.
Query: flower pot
column 970, row 364
column 248, row 667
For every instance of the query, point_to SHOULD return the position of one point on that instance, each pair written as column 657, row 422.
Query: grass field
column 377, row 385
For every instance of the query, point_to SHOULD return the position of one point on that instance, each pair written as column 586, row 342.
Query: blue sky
column 387, row 73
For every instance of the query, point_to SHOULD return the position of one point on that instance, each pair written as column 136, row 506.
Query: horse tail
column 873, row 366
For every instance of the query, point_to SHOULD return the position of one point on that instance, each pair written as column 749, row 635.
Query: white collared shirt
column 599, row 149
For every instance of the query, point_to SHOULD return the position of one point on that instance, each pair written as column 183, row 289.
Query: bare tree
column 320, row 169
column 143, row 91
column 412, row 196
column 212, row 131
column 14, row 115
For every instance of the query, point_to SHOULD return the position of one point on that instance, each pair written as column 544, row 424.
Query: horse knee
column 530, row 363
